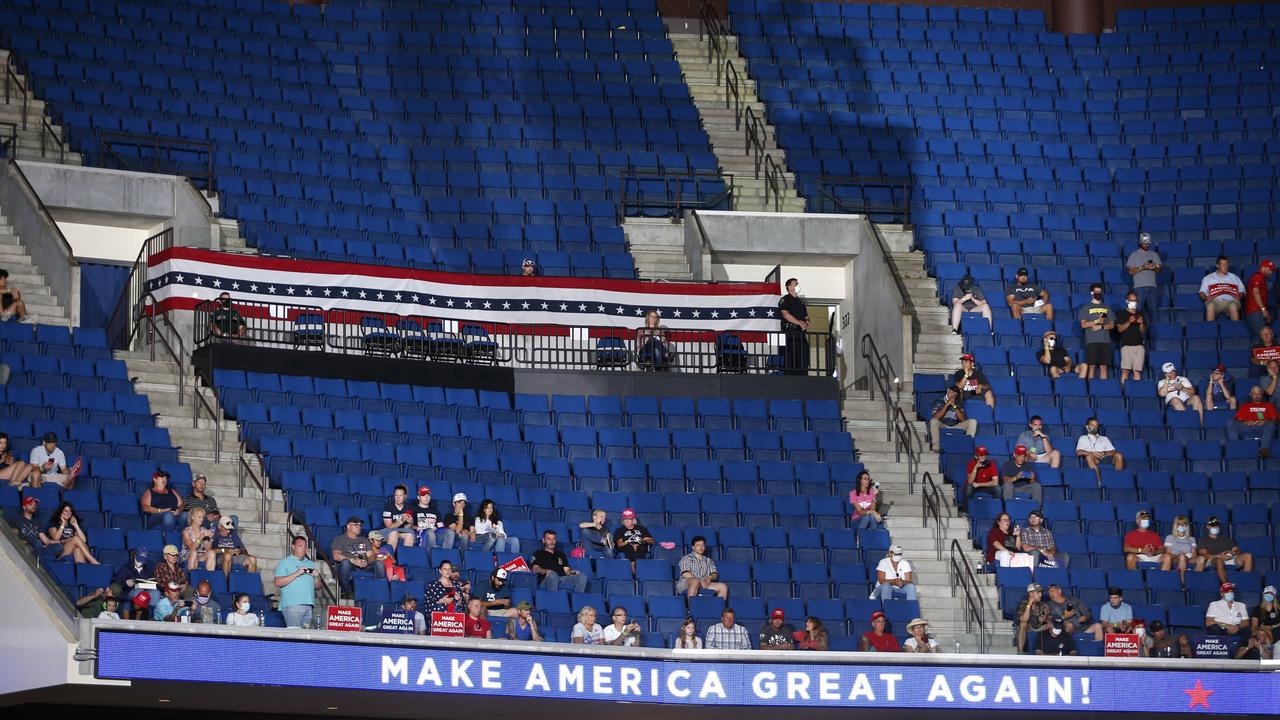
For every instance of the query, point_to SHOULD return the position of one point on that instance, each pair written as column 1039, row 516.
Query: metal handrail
column 898, row 427
column 9, row 137
column 712, row 28
column 733, row 93
column 162, row 149
column 975, row 605
column 673, row 198
column 827, row 183
column 774, row 182
column 244, row 468
column 13, row 80
column 329, row 597
column 931, row 508
column 123, row 324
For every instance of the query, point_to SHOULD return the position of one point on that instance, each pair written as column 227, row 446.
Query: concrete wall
column 782, row 236
column 37, row 636
column 42, row 238
column 875, row 308
column 104, row 242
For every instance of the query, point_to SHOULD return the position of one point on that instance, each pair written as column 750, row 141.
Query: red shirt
column 1252, row 411
column 1142, row 538
column 985, row 475
column 1258, row 281
column 882, row 643
column 476, row 627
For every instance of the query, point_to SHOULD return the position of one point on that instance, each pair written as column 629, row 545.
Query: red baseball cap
column 1020, row 450
column 30, row 501
column 424, row 490
column 777, row 613
column 877, row 615
column 1268, row 265
column 1221, row 368
column 980, row 450
column 966, row 356
column 142, row 599
column 628, row 514
column 1226, row 587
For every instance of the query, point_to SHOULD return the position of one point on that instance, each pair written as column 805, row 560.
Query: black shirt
column 971, row 385
column 393, row 513
column 769, row 635
column 1024, row 291
column 425, row 518
column 796, row 307
column 1133, row 335
column 1063, row 644
column 227, row 319
column 30, row 531
column 468, row 520
column 1057, row 355
column 1267, row 618
column 554, row 561
column 635, row 535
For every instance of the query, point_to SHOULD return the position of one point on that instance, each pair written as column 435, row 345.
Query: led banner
column 182, row 277
column 685, row 680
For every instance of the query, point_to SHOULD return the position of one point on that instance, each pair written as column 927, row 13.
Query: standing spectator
column 814, row 636
column 621, row 632
column 1097, row 320
column 170, row 572
column 920, row 642
column 397, row 519
column 51, row 464
column 124, row 582
column 12, row 306
column 160, row 503
column 1002, row 544
column 1220, row 550
column 864, row 498
column 29, row 528
column 651, row 344
column 698, row 571
column 1144, row 265
column 64, row 529
column 490, row 532
column 968, row 297
column 1178, row 392
column 1039, row 449
column 196, row 540
column 971, row 382
column 528, row 268
column 446, row 593
column 1037, row 539
column 981, row 476
column 226, row 544
column 1264, row 351
column 687, row 638
column 632, row 540
column 1142, row 544
column 459, row 525
column 522, row 625
column 296, row 579
column 727, row 634
column 1053, row 355
column 894, row 577
column 1115, row 615
column 1221, row 290
column 594, row 536
column 1033, row 615
column 794, row 315
column 1220, row 390
column 426, row 517
column 1226, row 616
column 1057, row 641
column 587, row 631
column 1028, row 298
column 1020, row 475
column 1257, row 314
column 949, row 412
column 475, row 625
column 1131, row 327
column 199, row 498
column 15, row 472
column 241, row 617
column 1179, row 547
column 1068, row 609
column 495, row 595
column 1255, row 420
column 877, row 639
column 777, row 633
column 1096, row 448
column 550, row 562
column 1161, row 644
column 350, row 551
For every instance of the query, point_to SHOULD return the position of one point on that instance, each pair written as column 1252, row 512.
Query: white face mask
column 1214, row 531
column 1056, row 631
column 1140, row 631
column 1144, row 524
column 1133, row 304
column 244, row 606
column 897, row 558
column 1052, row 342
column 797, row 289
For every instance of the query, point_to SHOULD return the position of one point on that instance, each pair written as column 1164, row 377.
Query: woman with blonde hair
column 587, row 631
column 195, row 540
column 1179, row 547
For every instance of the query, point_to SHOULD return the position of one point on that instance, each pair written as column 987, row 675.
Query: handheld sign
column 345, row 619
column 448, row 624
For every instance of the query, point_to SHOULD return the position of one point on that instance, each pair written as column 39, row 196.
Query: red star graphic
column 1199, row 696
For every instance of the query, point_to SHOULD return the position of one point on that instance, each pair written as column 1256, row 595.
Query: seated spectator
column 1028, row 298
column 350, row 551
column 1115, row 615
column 1098, row 320
column 51, row 464
column 1131, row 328
column 594, row 536
column 1179, row 547
column 1270, row 382
column 199, row 498
column 397, row 519
column 227, row 546
column 1053, row 355
column 426, row 517
column 877, row 639
column 1227, row 616
column 621, row 632
column 949, row 412
column 1037, row 539
column 1142, row 544
column 1255, row 420
column 139, row 607
column 1160, row 643
column 12, row 306
column 384, row 558
column 522, row 625
column 1267, row 614
column 864, row 498
column 813, row 637
column 447, row 593
column 550, row 562
column 1068, row 609
column 1218, row 549
column 1221, row 290
column 490, row 533
column 1257, row 313
column 64, row 529
column 528, row 268
column 459, row 525
column 170, row 607
column 1263, row 352
column 1096, row 448
column 1020, row 476
column 1057, row 641
column 1220, row 390
column 651, row 344
column 587, row 631
column 475, row 625
column 968, row 297
column 727, row 634
column 29, row 528
column 981, row 476
column 110, row 608
column 894, row 577
column 15, row 472
column 495, row 594
column 632, row 540
column 160, row 503
column 1144, row 265
column 206, row 609
column 920, row 642
column 409, row 606
column 241, row 616
column 1258, row 647
column 125, row 582
column 698, row 572
column 971, row 382
column 171, row 572
column 1039, row 449
column 1002, row 544
column 226, row 321
column 777, row 633
column 687, row 638
column 196, row 541
column 1033, row 615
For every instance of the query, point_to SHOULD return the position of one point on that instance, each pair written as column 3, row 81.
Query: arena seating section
column 1028, row 148
column 771, row 509
column 461, row 136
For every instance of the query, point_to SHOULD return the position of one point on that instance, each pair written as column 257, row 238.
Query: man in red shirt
column 1143, row 545
column 1256, row 313
column 1255, row 419
column 475, row 625
column 981, row 476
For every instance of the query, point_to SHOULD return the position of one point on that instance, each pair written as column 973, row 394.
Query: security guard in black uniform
column 795, row 322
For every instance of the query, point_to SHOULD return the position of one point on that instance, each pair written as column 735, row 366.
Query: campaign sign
column 515, row 564
column 1216, row 646
column 397, row 622
column 346, row 619
column 448, row 624
column 1121, row 645
column 1266, row 354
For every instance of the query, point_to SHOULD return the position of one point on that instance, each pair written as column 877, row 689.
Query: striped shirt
column 700, row 566
column 720, row 637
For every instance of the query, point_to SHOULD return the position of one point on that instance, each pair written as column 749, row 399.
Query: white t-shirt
column 1179, row 387
column 890, row 573
column 39, row 456
column 611, row 633
column 590, row 636
column 1221, row 287
column 1220, row 613
column 1094, row 443
column 247, row 620
column 910, row 644
column 486, row 526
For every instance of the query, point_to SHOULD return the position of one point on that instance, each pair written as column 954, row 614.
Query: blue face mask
column 1268, row 597
column 1214, row 531
column 1144, row 524
column 1228, row 596
column 1182, row 528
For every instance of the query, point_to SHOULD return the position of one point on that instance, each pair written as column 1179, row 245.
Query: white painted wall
column 29, row 630
column 105, row 242
column 827, row 283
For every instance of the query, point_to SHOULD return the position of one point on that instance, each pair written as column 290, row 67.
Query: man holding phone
column 981, row 476
column 297, row 579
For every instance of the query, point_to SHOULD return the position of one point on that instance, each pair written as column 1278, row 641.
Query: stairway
column 657, row 245
column 728, row 142
column 42, row 306
column 937, row 349
column 30, row 123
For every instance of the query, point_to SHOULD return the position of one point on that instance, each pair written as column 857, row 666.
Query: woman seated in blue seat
column 651, row 341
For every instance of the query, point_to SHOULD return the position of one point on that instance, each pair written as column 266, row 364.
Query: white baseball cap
column 460, row 496
column 1168, row 367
